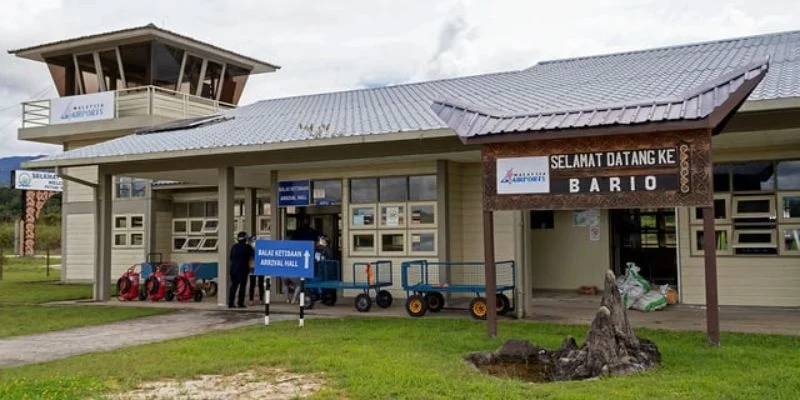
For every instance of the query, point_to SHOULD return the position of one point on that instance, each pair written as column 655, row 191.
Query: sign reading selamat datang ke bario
column 666, row 169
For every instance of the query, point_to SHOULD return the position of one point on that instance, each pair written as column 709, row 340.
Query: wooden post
column 2, row 262
column 48, row 262
column 489, row 270
column 710, row 250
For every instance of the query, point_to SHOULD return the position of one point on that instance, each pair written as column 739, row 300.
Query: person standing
column 241, row 258
column 304, row 233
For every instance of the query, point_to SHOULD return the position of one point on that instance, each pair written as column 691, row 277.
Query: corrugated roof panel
column 579, row 83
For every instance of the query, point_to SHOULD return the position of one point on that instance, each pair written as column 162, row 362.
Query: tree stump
column 611, row 348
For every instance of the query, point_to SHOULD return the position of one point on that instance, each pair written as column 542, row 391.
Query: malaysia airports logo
column 523, row 175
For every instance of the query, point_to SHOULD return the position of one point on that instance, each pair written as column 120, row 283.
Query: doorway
column 326, row 220
column 648, row 238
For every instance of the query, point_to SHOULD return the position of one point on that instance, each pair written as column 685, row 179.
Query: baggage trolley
column 366, row 276
column 426, row 282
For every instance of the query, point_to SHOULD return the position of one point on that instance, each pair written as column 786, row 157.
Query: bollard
column 266, row 300
column 48, row 263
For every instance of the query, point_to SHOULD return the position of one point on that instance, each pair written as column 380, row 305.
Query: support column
column 442, row 211
column 150, row 221
column 225, row 192
column 103, row 232
column 709, row 247
column 489, row 269
column 277, row 222
column 250, row 212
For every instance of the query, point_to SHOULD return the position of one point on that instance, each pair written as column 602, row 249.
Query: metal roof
column 588, row 82
column 470, row 121
column 140, row 30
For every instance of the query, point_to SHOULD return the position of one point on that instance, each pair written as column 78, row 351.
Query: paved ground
column 561, row 308
column 43, row 347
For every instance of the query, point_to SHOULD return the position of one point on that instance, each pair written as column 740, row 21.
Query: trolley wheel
column 503, row 304
column 123, row 286
column 384, row 299
column 477, row 308
column 416, row 306
column 309, row 299
column 363, row 302
column 435, row 301
column 329, row 297
column 170, row 295
column 211, row 288
column 142, row 294
column 198, row 296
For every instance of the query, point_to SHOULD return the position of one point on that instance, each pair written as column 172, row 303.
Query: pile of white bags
column 637, row 293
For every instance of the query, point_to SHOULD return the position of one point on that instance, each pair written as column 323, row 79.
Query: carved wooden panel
column 34, row 202
column 582, row 174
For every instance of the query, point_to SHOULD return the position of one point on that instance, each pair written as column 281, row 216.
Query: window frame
column 371, row 206
column 781, row 216
column 410, row 244
column 727, row 198
column 695, row 230
column 737, row 199
column 402, row 215
column 781, row 240
column 411, row 205
column 737, row 235
column 356, row 253
column 404, row 241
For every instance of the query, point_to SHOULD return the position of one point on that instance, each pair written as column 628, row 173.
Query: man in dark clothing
column 241, row 257
column 305, row 232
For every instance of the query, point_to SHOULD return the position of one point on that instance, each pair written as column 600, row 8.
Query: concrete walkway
column 16, row 351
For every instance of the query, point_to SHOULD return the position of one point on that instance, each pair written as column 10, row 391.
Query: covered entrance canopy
column 643, row 153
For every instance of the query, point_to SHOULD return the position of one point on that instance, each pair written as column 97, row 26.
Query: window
column 723, row 237
column 362, row 243
column 87, row 73
column 789, row 207
column 422, row 188
column 191, row 75
column 422, row 242
column 362, row 217
column 211, row 80
column 722, row 178
column 791, row 240
column 754, row 177
column 166, row 65
column 136, row 61
column 209, row 244
column 754, row 207
column 542, row 220
column 422, row 214
column 128, row 231
column 393, row 215
column 110, row 66
column 722, row 205
column 328, row 192
column 130, row 187
column 392, row 243
column 363, row 190
column 789, row 175
column 755, row 241
column 195, row 225
column 393, row 189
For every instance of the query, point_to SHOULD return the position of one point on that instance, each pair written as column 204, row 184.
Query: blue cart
column 366, row 276
column 425, row 282
column 206, row 274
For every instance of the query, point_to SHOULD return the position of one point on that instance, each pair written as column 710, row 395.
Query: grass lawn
column 399, row 358
column 25, row 286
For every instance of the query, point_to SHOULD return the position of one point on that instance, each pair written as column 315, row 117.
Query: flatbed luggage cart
column 425, row 282
column 366, row 276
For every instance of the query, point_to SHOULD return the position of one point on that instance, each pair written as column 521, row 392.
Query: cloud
column 325, row 46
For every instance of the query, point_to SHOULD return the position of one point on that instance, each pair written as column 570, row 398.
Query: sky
column 327, row 46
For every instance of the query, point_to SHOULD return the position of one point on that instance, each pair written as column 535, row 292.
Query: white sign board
column 523, row 175
column 87, row 107
column 37, row 180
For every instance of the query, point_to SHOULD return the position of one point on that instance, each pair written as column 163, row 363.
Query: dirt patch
column 263, row 384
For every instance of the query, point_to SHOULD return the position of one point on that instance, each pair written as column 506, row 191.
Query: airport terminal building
column 158, row 158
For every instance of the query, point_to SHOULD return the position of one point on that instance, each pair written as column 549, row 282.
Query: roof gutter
column 232, row 150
